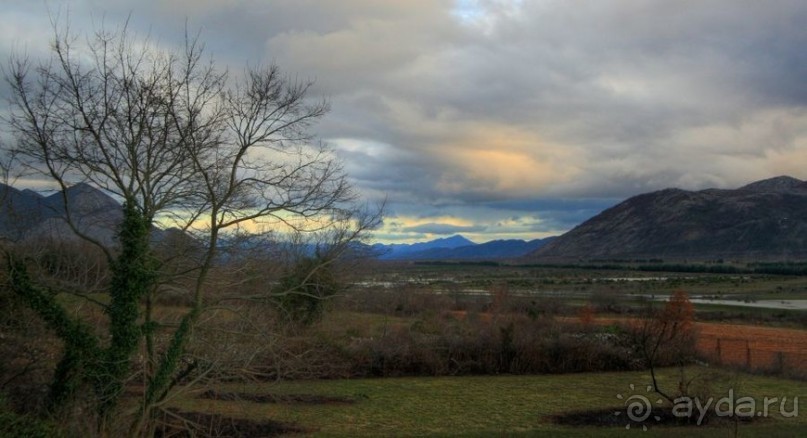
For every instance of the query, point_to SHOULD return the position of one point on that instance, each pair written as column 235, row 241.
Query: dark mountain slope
column 402, row 251
column 27, row 214
column 20, row 211
column 763, row 220
column 495, row 249
column 459, row 248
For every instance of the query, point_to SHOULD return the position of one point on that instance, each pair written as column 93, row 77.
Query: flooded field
column 760, row 304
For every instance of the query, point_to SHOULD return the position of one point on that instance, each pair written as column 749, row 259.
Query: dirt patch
column 182, row 424
column 303, row 399
column 462, row 315
column 618, row 417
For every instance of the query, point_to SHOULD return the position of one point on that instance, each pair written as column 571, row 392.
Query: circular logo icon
column 638, row 407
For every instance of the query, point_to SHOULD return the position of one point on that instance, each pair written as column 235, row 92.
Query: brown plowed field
column 753, row 346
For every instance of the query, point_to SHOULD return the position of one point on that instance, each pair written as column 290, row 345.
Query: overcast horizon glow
column 500, row 119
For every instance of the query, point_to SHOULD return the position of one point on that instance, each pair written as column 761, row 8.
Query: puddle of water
column 761, row 304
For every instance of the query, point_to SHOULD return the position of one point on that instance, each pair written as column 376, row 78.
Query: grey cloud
column 615, row 97
column 556, row 213
column 442, row 229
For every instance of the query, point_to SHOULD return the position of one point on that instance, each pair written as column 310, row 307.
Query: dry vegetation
column 371, row 332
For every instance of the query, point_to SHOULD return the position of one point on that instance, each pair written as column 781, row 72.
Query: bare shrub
column 445, row 345
column 666, row 337
column 28, row 354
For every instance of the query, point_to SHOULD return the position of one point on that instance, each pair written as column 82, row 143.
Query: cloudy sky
column 510, row 118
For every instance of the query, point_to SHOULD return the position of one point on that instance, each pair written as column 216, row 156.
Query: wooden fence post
column 719, row 359
column 748, row 354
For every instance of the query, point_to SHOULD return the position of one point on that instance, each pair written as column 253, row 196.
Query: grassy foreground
column 494, row 405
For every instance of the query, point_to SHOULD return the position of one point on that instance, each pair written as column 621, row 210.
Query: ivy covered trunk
column 85, row 363
column 133, row 276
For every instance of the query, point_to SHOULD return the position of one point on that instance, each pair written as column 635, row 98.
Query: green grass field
column 493, row 405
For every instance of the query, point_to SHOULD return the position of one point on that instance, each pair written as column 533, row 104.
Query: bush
column 28, row 353
column 438, row 345
column 13, row 424
column 300, row 293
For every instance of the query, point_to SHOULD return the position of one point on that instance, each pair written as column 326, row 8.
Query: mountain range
column 27, row 214
column 458, row 248
column 763, row 220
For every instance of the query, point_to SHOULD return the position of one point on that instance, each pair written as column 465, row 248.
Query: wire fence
column 754, row 355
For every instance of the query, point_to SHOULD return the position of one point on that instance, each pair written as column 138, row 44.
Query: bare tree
column 182, row 144
column 667, row 337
